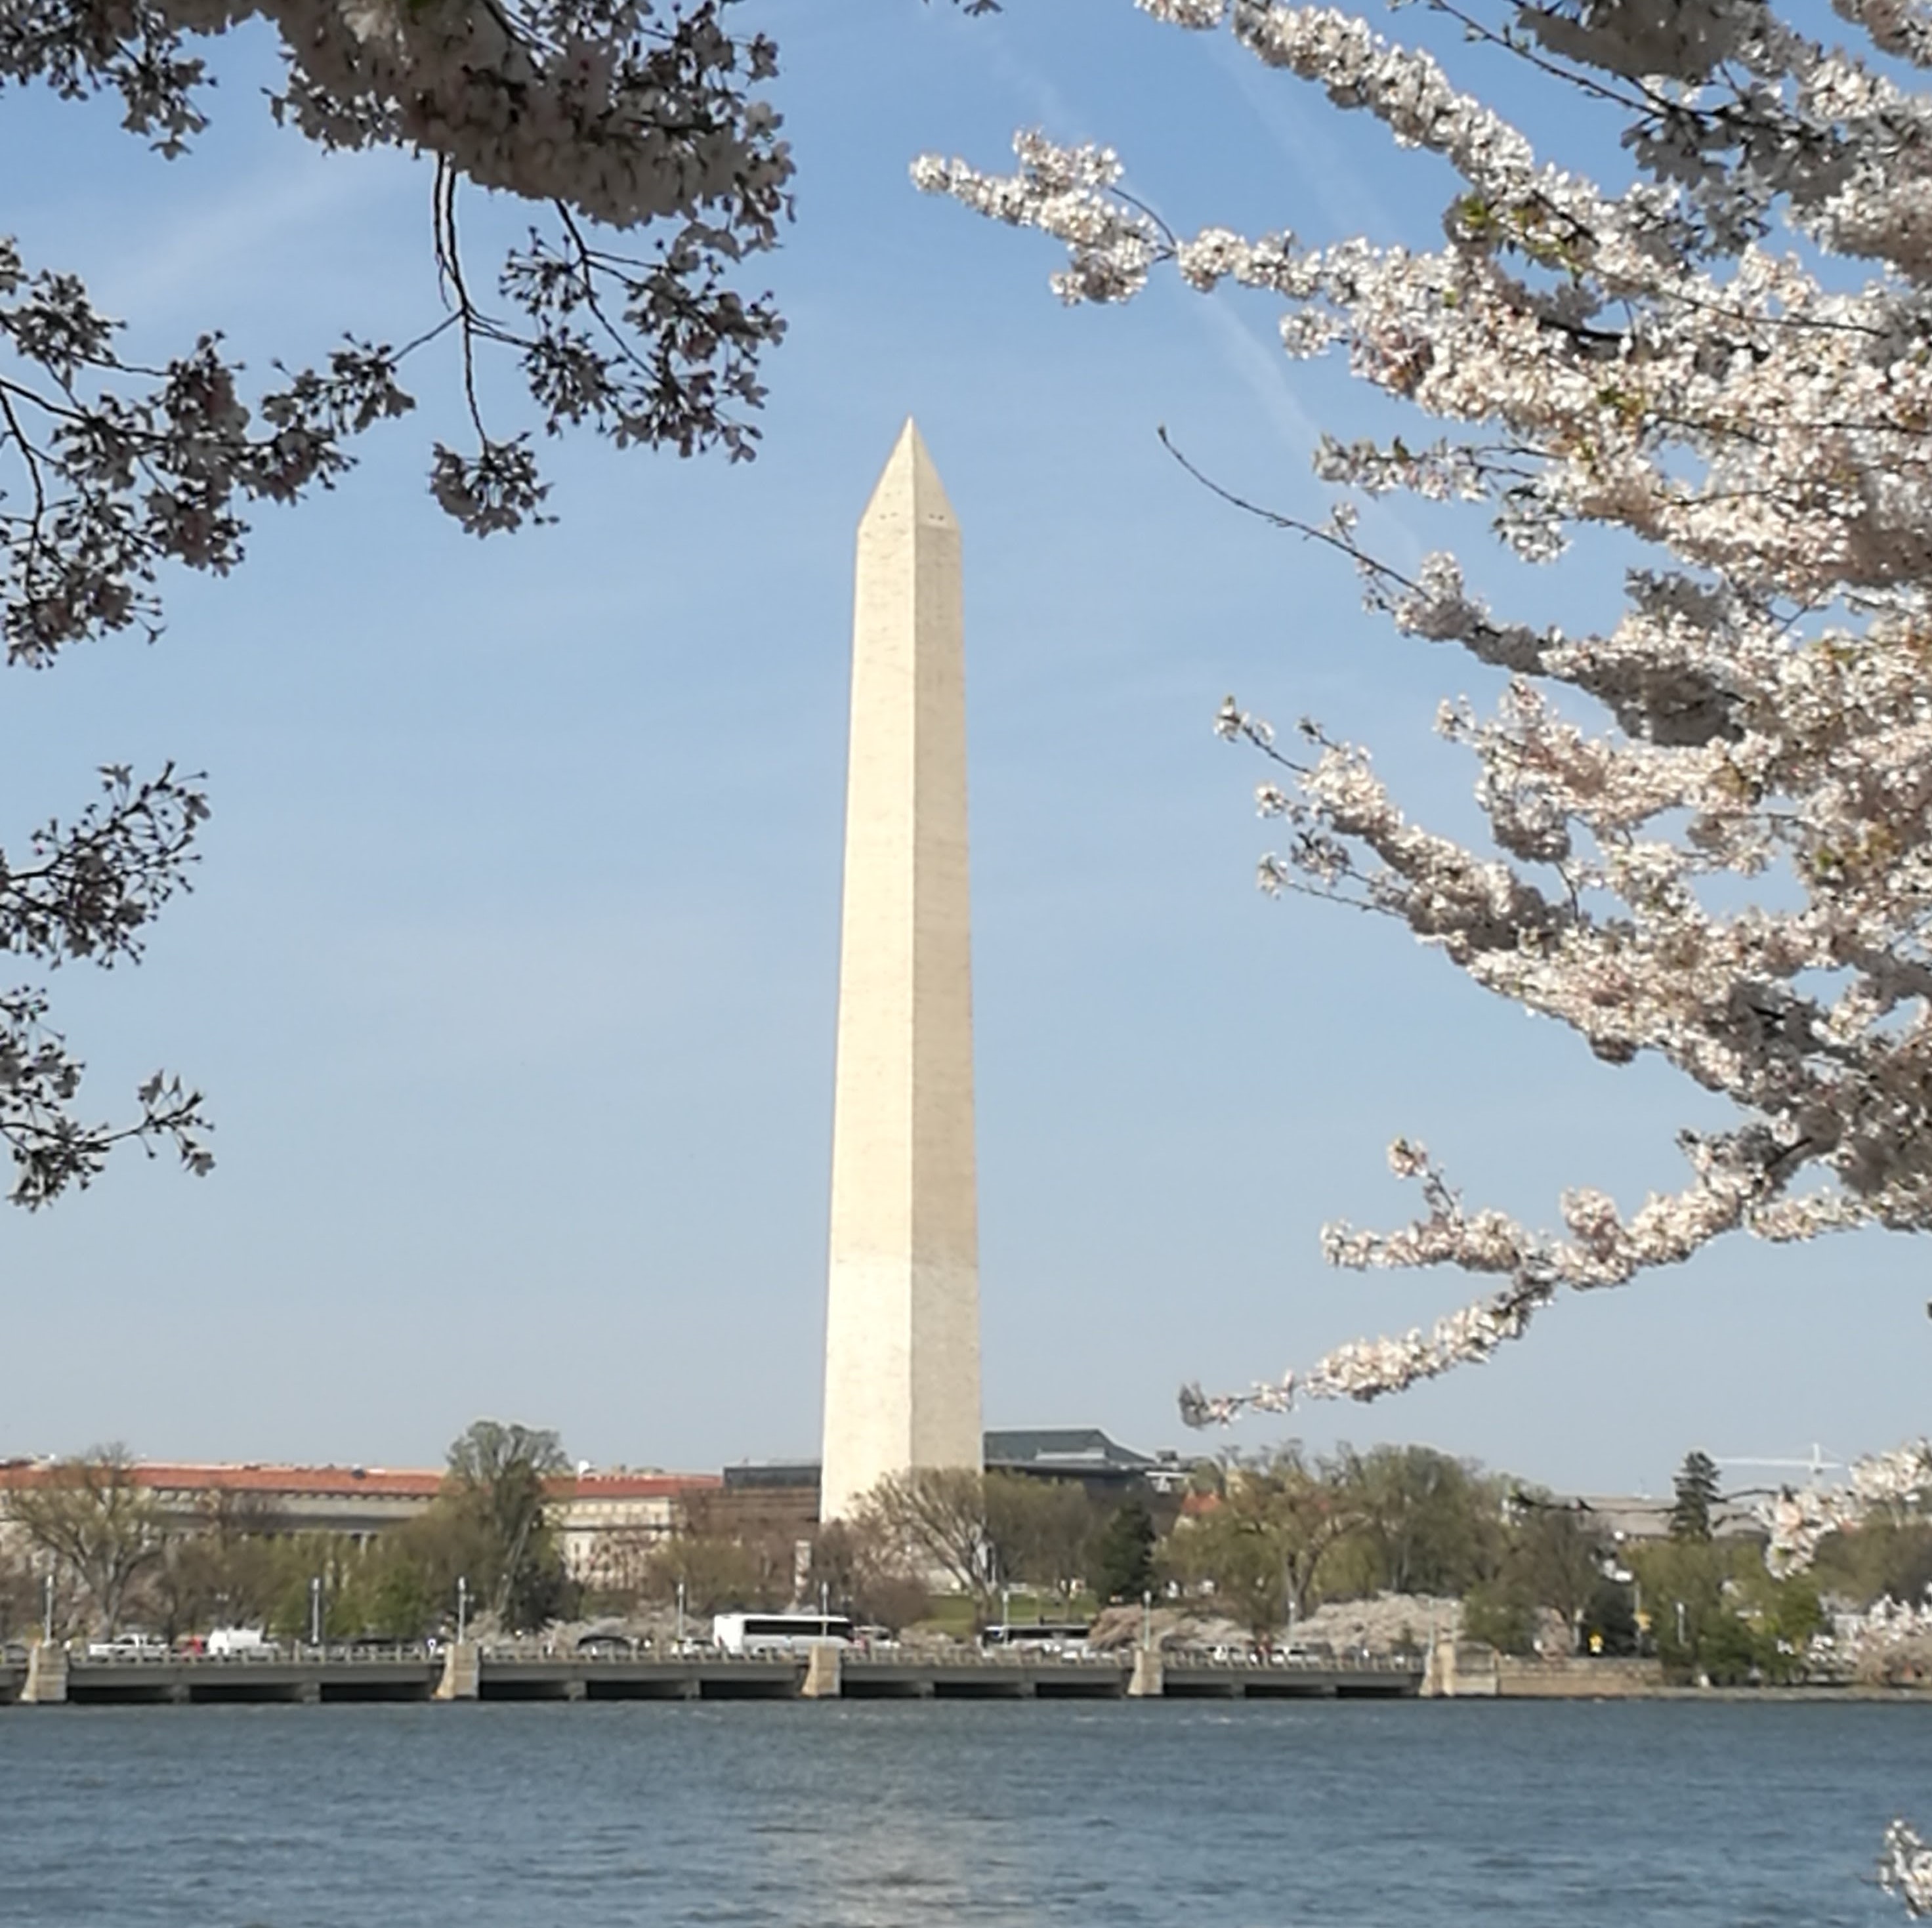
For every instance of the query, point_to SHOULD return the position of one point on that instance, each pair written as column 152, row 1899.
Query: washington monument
column 902, row 1315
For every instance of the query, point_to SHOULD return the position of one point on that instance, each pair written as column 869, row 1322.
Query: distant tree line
column 1262, row 1540
column 117, row 1557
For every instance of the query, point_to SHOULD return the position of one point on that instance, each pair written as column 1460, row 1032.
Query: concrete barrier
column 1460, row 1670
column 822, row 1671
column 46, row 1683
column 462, row 1671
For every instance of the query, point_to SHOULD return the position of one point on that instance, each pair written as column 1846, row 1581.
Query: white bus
column 749, row 1633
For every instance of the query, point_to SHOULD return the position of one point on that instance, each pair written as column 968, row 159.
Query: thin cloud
column 1323, row 169
column 217, row 243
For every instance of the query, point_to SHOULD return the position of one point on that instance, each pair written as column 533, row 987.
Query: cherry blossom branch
column 1756, row 413
column 1603, row 1249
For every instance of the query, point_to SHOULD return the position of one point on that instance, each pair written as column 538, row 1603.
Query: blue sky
column 511, row 965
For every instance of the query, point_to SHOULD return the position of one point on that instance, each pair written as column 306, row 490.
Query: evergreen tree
column 1696, row 1487
column 1123, row 1559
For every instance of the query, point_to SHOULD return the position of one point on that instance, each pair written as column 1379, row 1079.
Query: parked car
column 605, row 1646
column 128, row 1647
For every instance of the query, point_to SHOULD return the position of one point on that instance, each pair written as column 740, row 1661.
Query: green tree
column 1430, row 1523
column 1685, row 1583
column 1729, row 1650
column 1782, row 1614
column 1038, row 1532
column 1501, row 1615
column 218, row 1570
column 1882, row 1558
column 1795, row 1615
column 1552, row 1558
column 1696, row 1494
column 1556, row 1556
column 398, row 1596
column 1267, row 1524
column 1123, row 1565
column 312, row 1569
column 1609, row 1618
column 502, row 1483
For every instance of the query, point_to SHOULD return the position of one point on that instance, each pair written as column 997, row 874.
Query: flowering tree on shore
column 1708, row 834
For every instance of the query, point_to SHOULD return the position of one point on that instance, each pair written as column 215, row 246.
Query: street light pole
column 47, row 1618
column 462, row 1607
column 680, row 1616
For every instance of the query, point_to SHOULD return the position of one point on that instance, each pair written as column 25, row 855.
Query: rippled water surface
column 899, row 1815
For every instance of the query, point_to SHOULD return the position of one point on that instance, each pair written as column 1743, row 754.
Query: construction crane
column 1816, row 1465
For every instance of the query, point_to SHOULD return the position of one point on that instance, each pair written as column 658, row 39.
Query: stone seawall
column 1577, row 1678
column 1467, row 1670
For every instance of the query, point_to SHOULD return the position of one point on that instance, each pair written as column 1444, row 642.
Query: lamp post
column 315, row 1610
column 680, row 1617
column 824, row 1618
column 1146, row 1620
column 47, row 1614
column 462, row 1607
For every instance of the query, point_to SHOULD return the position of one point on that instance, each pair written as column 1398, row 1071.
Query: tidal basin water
column 900, row 1816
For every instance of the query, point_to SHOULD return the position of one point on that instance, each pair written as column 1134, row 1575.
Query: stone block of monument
column 902, row 1326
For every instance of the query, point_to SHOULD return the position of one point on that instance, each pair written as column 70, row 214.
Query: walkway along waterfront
column 467, row 1672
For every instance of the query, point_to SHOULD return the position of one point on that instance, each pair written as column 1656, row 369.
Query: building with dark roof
column 1107, row 1469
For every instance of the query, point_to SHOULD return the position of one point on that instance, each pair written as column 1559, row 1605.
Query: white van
column 236, row 1643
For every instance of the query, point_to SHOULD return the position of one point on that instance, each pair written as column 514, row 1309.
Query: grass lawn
column 952, row 1613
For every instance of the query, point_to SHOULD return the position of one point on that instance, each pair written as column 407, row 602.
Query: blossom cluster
column 1886, row 1628
column 1905, row 1868
column 631, row 119
column 1708, row 830
column 1889, row 1484
column 1896, row 1484
column 87, row 890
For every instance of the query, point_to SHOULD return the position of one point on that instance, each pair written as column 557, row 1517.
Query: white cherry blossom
column 1669, row 357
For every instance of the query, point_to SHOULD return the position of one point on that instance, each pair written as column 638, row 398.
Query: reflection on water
column 888, row 1815
column 869, row 1854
